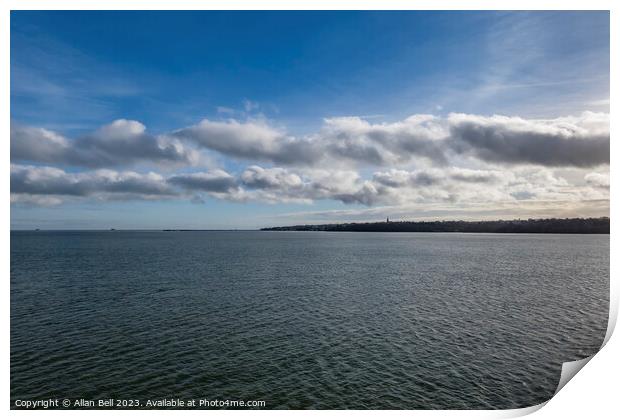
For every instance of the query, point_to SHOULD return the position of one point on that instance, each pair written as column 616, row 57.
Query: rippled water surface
column 304, row 319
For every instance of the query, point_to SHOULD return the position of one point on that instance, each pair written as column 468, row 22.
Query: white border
column 592, row 395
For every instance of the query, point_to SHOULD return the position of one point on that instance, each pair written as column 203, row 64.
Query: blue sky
column 274, row 87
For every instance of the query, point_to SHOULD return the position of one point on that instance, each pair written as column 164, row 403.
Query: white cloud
column 461, row 159
column 251, row 140
column 121, row 143
column 357, row 140
column 597, row 180
column 31, row 181
column 261, row 178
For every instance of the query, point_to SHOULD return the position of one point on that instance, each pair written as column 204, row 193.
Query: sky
column 242, row 120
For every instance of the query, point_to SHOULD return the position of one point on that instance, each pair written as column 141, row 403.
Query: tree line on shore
column 573, row 225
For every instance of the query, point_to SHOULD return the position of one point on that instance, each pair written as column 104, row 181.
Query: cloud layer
column 454, row 160
column 581, row 141
column 278, row 185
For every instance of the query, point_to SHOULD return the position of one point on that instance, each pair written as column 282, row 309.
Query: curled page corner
column 519, row 412
column 569, row 370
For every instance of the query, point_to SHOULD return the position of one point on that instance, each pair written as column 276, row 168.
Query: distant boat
column 112, row 229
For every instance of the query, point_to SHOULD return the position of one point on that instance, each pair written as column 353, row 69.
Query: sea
column 304, row 320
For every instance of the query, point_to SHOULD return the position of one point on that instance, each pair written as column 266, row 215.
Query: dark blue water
column 304, row 319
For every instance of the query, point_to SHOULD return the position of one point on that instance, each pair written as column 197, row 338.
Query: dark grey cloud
column 433, row 177
column 214, row 181
column 38, row 145
column 475, row 176
column 563, row 142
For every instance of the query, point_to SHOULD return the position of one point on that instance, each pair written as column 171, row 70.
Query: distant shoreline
column 598, row 225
